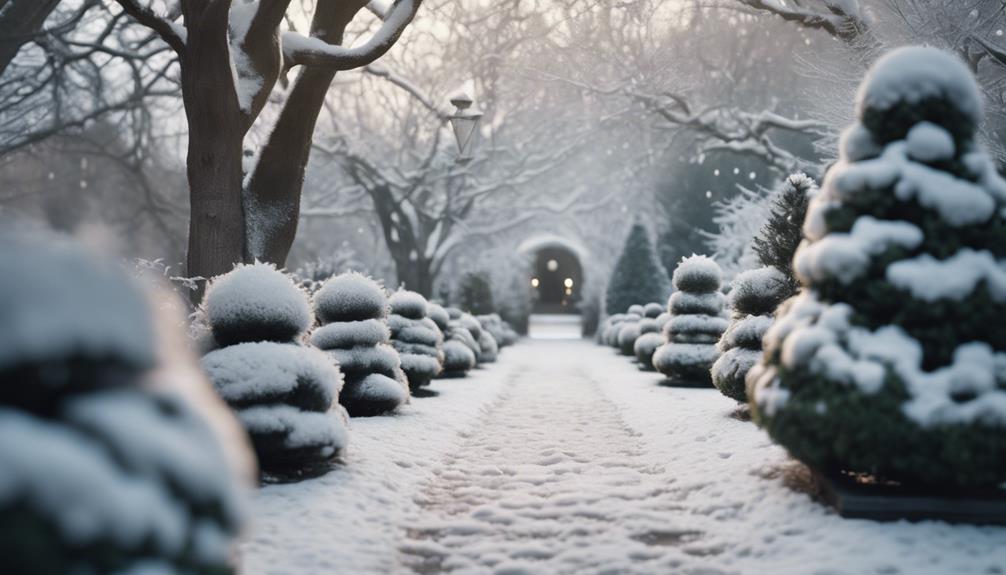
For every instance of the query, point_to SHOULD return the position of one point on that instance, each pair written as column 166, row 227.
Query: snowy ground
column 563, row 458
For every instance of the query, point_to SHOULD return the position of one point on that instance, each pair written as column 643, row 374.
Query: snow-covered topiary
column 353, row 310
column 459, row 358
column 650, row 338
column 628, row 332
column 285, row 393
column 502, row 333
column 753, row 298
column 893, row 359
column 106, row 465
column 696, row 322
column 416, row 337
column 638, row 275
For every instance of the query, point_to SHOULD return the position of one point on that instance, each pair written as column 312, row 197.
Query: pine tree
column 782, row 233
column 890, row 360
column 638, row 276
column 476, row 295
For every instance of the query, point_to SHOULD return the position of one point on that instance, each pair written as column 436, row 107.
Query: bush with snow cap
column 629, row 330
column 753, row 299
column 696, row 322
column 502, row 333
column 650, row 338
column 285, row 393
column 653, row 310
column 892, row 359
column 488, row 349
column 353, row 310
column 107, row 465
column 459, row 358
column 416, row 338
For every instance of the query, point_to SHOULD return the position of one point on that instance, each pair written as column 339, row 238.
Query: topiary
column 650, row 338
column 695, row 325
column 638, row 275
column 459, row 358
column 782, row 233
column 753, row 299
column 891, row 361
column 416, row 338
column 475, row 294
column 284, row 393
column 353, row 309
column 112, row 456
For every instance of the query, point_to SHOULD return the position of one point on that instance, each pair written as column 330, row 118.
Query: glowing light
column 552, row 265
column 534, row 282
column 568, row 282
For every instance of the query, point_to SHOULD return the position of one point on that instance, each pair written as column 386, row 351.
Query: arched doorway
column 556, row 281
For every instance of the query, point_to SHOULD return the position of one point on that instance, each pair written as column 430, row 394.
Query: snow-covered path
column 564, row 458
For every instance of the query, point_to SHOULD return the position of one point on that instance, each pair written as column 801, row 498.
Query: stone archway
column 556, row 274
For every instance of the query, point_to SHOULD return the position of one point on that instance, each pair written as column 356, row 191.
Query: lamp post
column 464, row 121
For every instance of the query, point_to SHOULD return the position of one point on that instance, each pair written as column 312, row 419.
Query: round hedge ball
column 256, row 302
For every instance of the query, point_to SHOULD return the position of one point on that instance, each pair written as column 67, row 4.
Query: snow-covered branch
column 300, row 50
column 171, row 33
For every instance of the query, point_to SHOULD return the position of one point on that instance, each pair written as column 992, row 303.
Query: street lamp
column 464, row 121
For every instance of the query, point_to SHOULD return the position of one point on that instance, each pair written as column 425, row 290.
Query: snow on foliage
column 284, row 393
column 108, row 465
column 891, row 362
column 416, row 338
column 638, row 276
column 350, row 304
column 690, row 337
column 45, row 320
column 459, row 354
column 651, row 337
column 256, row 302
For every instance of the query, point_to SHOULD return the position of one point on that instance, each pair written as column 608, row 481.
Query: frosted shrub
column 753, row 299
column 285, row 393
column 459, row 358
column 108, row 465
column 416, row 338
column 353, row 311
column 891, row 360
column 695, row 325
column 650, row 338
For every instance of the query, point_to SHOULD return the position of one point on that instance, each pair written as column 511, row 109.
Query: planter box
column 864, row 497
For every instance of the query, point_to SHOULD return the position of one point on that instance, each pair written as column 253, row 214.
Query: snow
column 394, row 22
column 697, row 274
column 912, row 74
column 266, row 372
column 954, row 278
column 564, row 459
column 255, row 302
column 350, row 333
column 350, row 297
column 929, row 143
column 764, row 283
column 812, row 335
column 685, row 303
column 847, row 256
column 247, row 81
column 58, row 301
column 408, row 304
column 323, row 430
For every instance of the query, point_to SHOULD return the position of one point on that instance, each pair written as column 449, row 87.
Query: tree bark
column 20, row 20
column 216, row 133
column 274, row 188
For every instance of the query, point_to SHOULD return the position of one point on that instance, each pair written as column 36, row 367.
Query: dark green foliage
column 475, row 295
column 778, row 239
column 638, row 277
column 846, row 423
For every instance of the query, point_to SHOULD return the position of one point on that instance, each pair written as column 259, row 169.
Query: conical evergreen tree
column 638, row 276
column 890, row 360
column 782, row 233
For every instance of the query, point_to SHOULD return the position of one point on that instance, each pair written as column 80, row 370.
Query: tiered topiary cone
column 459, row 358
column 353, row 311
column 696, row 323
column 284, row 392
column 416, row 338
column 488, row 348
column 753, row 299
column 892, row 360
column 108, row 465
column 632, row 329
column 651, row 337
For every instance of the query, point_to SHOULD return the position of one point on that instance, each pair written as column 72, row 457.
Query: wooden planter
column 864, row 497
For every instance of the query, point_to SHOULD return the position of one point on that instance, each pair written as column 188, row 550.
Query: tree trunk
column 415, row 275
column 20, row 20
column 277, row 180
column 216, row 134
